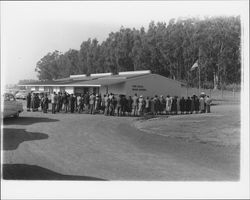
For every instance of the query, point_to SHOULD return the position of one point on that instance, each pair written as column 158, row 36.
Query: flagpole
column 187, row 82
column 199, row 75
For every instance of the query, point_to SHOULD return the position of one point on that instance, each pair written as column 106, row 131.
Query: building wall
column 115, row 89
column 153, row 84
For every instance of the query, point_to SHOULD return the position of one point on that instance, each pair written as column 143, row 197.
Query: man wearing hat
column 92, row 103
column 135, row 104
column 140, row 105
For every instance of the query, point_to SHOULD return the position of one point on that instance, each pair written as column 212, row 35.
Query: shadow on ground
column 13, row 137
column 33, row 172
column 26, row 120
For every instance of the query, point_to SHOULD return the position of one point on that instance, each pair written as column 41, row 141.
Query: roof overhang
column 83, row 85
column 64, row 85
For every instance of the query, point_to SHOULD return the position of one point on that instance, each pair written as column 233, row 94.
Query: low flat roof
column 86, row 81
column 97, row 82
column 89, row 81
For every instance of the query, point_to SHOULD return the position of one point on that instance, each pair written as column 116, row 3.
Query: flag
column 195, row 65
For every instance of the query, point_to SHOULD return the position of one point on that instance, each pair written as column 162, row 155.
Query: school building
column 128, row 83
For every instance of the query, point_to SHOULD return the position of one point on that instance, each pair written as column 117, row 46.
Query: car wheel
column 16, row 115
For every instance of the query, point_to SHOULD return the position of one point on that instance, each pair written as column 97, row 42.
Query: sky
column 29, row 30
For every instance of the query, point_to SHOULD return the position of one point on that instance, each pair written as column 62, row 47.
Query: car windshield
column 22, row 92
column 9, row 97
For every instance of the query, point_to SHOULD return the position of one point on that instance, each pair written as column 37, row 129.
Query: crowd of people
column 118, row 105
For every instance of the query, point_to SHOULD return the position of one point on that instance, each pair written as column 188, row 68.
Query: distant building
column 128, row 83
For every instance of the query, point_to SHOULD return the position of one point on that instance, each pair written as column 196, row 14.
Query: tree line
column 166, row 49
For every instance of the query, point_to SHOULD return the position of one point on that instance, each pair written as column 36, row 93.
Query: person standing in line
column 140, row 105
column 152, row 103
column 70, row 98
column 28, row 99
column 81, row 103
column 53, row 102
column 61, row 102
column 192, row 104
column 115, row 104
column 41, row 101
column 59, row 99
column 130, row 105
column 75, row 102
column 106, row 104
column 103, row 104
column 92, row 103
column 86, row 101
column 157, row 105
column 177, row 104
column 72, row 103
column 202, row 104
column 124, row 104
column 162, row 104
column 111, row 96
column 67, row 106
column 67, row 103
column 32, row 102
column 182, row 104
column 99, row 104
column 135, row 104
column 96, row 107
column 147, row 108
column 174, row 106
column 58, row 102
column 78, row 98
column 196, row 104
column 119, row 105
column 45, row 103
column 188, row 105
column 64, row 99
column 37, row 102
column 168, row 105
column 112, row 106
column 208, row 104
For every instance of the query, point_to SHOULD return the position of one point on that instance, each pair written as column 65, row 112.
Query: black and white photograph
column 124, row 99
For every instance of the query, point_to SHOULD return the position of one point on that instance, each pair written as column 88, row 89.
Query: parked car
column 12, row 91
column 10, row 107
column 22, row 94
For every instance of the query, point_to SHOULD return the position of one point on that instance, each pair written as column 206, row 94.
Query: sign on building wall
column 138, row 88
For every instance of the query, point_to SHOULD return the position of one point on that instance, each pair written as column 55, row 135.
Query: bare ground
column 200, row 147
